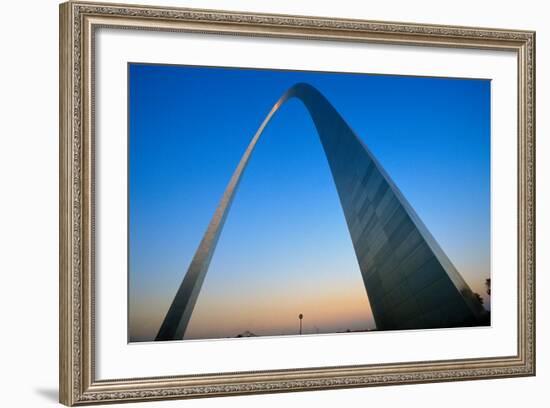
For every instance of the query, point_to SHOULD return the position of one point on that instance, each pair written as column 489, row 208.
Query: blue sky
column 285, row 248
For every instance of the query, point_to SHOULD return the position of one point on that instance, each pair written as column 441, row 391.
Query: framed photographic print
column 258, row 203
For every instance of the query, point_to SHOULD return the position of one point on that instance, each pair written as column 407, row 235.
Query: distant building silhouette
column 246, row 333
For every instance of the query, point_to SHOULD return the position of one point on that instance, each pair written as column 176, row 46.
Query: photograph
column 268, row 202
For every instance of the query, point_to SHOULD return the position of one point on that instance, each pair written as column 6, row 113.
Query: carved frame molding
column 78, row 21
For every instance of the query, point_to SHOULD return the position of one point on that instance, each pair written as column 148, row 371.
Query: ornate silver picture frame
column 79, row 24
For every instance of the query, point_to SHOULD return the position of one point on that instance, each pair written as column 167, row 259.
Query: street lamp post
column 300, row 316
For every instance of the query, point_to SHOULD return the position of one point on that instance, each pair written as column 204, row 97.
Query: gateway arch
column 410, row 282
